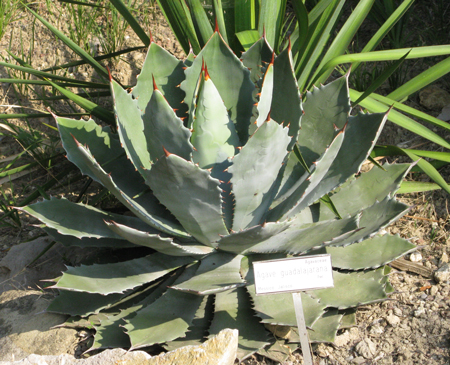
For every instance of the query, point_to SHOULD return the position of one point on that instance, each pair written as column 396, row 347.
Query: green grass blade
column 245, row 15
column 180, row 21
column 396, row 151
column 425, row 78
column 130, row 19
column 303, row 24
column 414, row 112
column 38, row 115
column 218, row 14
column 271, row 17
column 72, row 45
column 93, row 5
column 398, row 118
column 385, row 29
column 75, row 83
column 417, row 187
column 344, row 37
column 317, row 11
column 247, row 38
column 200, row 19
column 389, row 55
column 106, row 115
column 387, row 72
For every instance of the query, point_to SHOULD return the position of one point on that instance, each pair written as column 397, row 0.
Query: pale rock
column 348, row 336
column 419, row 312
column 278, row 330
column 445, row 114
column 398, row 312
column 366, row 348
column 376, row 329
column 359, row 360
column 444, row 258
column 442, row 274
column 415, row 257
column 433, row 97
column 393, row 320
column 218, row 350
column 433, row 290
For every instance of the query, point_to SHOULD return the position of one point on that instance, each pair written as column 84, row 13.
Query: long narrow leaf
column 72, row 45
column 200, row 19
column 417, row 187
column 271, row 18
column 423, row 79
column 130, row 19
column 218, row 14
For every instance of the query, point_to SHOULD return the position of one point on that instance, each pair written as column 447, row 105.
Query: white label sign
column 293, row 274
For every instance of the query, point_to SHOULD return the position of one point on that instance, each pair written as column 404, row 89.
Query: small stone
column 442, row 274
column 419, row 312
column 433, row 290
column 359, row 360
column 415, row 257
column 376, row 329
column 433, row 97
column 398, row 312
column 393, row 320
column 366, row 348
column 444, row 258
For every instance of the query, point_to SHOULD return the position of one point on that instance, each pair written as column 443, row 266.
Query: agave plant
column 221, row 163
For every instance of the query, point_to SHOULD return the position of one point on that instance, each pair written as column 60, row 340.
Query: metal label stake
column 295, row 275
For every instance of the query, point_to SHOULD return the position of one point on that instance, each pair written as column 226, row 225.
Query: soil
column 412, row 327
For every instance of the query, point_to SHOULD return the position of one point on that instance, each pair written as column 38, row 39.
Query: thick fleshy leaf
column 168, row 73
column 214, row 137
column 279, row 351
column 264, row 104
column 130, row 127
column 326, row 109
column 370, row 187
column 119, row 277
column 217, row 273
column 300, row 238
column 360, row 137
column 237, row 242
column 232, row 310
column 353, row 289
column 231, row 79
column 371, row 253
column 164, row 130
column 67, row 240
column 191, row 194
column 324, row 330
column 198, row 330
column 286, row 107
column 302, row 193
column 77, row 219
column 165, row 245
column 255, row 171
column 255, row 57
column 82, row 304
column 166, row 319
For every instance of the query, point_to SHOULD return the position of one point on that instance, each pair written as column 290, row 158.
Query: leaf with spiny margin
column 214, row 137
column 130, row 127
column 191, row 194
column 231, row 79
column 104, row 148
column 238, row 242
column 109, row 332
column 299, row 238
column 77, row 219
column 324, row 330
column 164, row 130
column 166, row 319
column 349, row 318
column 70, row 241
column 220, row 172
column 279, row 351
column 302, row 193
column 121, row 276
column 360, row 137
column 255, row 57
column 199, row 327
column 233, row 310
column 150, row 209
column 217, row 272
column 264, row 104
column 286, row 106
column 279, row 309
column 353, row 289
column 165, row 245
column 82, row 304
column 369, row 187
column 325, row 109
column 371, row 253
column 375, row 218
column 254, row 173
column 168, row 73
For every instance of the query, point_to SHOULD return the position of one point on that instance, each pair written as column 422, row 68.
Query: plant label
column 293, row 274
